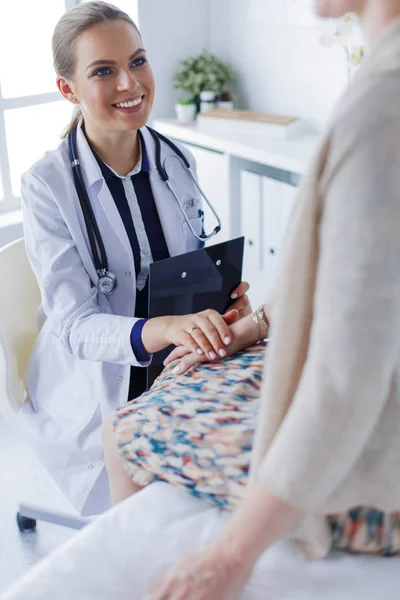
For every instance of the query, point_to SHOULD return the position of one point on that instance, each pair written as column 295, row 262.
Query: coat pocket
column 197, row 225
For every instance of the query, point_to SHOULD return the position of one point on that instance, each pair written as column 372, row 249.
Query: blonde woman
column 92, row 260
column 327, row 446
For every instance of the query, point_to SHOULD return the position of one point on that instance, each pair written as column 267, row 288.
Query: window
column 32, row 111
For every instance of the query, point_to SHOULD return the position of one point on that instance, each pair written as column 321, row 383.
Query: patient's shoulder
column 371, row 105
column 366, row 123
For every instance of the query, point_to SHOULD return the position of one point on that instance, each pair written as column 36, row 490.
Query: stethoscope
column 107, row 281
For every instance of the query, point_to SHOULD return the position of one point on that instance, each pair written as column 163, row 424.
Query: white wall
column 282, row 67
column 172, row 30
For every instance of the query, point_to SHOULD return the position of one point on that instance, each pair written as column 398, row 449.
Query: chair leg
column 28, row 515
column 25, row 524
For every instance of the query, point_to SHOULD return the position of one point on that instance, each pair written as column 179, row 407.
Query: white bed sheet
column 120, row 554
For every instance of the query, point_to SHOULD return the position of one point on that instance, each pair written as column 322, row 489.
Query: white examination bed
column 118, row 556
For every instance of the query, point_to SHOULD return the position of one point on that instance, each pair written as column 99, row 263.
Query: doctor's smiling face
column 112, row 79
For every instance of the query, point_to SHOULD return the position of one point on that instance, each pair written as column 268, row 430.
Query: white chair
column 19, row 302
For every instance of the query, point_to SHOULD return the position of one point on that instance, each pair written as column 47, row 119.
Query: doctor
column 97, row 212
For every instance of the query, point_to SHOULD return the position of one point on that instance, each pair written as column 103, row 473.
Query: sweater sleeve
column 354, row 344
column 136, row 342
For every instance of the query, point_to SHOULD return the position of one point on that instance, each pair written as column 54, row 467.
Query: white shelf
column 290, row 155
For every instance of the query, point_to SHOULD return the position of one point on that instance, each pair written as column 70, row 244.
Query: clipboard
column 193, row 282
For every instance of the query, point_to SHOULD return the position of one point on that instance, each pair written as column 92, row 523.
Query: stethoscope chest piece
column 107, row 283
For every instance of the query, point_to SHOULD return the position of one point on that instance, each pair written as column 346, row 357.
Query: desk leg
column 234, row 194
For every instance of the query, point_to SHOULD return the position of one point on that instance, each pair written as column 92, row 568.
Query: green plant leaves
column 204, row 72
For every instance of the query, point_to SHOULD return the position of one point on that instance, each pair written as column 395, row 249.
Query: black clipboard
column 193, row 282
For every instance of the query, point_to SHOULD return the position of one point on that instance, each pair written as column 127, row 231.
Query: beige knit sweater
column 329, row 428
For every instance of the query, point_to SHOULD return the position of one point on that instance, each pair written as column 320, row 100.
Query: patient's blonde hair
column 69, row 27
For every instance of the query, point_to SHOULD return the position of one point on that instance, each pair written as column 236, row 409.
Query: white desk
column 292, row 156
column 252, row 182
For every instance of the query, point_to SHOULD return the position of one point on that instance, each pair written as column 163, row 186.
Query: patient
column 328, row 421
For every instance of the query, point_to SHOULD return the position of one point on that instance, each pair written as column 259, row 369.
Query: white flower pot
column 207, row 101
column 227, row 105
column 185, row 113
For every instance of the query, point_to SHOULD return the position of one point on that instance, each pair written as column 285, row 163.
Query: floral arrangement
column 347, row 35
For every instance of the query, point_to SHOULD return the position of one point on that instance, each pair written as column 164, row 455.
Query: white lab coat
column 80, row 366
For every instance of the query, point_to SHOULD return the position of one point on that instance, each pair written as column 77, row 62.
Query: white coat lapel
column 98, row 190
column 111, row 210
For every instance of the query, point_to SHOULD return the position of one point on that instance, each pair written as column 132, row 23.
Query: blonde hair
column 69, row 27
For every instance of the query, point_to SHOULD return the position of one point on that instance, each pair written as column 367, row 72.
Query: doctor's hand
column 243, row 334
column 206, row 333
column 230, row 317
column 242, row 302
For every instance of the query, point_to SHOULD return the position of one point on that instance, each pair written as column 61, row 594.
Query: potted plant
column 225, row 100
column 207, row 100
column 203, row 73
column 186, row 110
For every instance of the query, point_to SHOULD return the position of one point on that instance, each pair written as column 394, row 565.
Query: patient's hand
column 186, row 359
column 208, row 575
column 242, row 302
